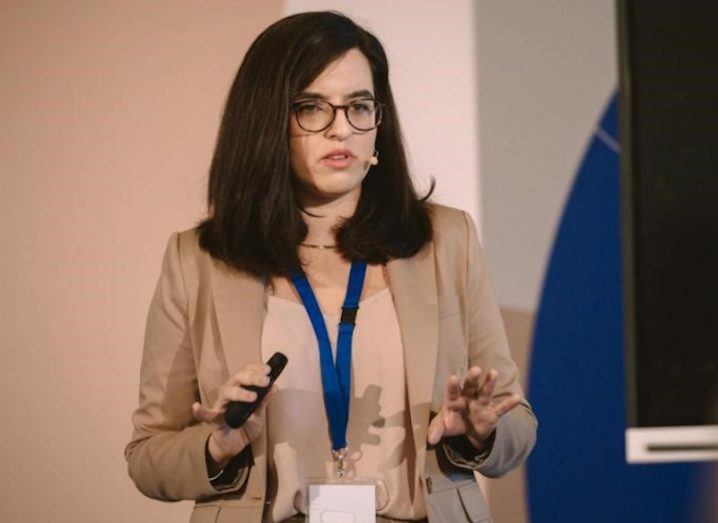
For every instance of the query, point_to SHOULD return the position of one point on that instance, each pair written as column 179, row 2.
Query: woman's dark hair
column 255, row 223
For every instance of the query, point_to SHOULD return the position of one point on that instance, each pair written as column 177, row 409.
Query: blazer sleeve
column 515, row 434
column 166, row 455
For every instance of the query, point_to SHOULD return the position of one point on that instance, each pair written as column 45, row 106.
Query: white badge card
column 338, row 501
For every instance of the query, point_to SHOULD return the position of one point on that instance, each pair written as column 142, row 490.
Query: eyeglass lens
column 317, row 115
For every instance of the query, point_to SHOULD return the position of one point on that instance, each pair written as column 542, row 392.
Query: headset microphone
column 373, row 160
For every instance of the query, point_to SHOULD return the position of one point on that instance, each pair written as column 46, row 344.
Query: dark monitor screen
column 668, row 115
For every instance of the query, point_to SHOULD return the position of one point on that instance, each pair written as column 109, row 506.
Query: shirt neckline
column 295, row 305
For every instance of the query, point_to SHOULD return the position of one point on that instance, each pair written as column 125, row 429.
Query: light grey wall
column 546, row 69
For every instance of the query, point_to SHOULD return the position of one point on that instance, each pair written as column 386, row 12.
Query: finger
column 453, row 400
column 436, row 429
column 238, row 394
column 471, row 383
column 250, row 377
column 508, row 404
column 203, row 414
column 262, row 368
column 238, row 377
column 453, row 388
column 486, row 392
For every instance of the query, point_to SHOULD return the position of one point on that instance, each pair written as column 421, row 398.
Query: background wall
column 546, row 71
column 108, row 114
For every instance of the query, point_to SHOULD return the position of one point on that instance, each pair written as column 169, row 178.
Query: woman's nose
column 340, row 127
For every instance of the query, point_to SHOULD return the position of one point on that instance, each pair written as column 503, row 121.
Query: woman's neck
column 322, row 217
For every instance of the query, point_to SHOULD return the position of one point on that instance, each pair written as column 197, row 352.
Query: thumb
column 202, row 414
column 436, row 429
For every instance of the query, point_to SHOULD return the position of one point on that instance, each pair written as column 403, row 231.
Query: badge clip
column 339, row 456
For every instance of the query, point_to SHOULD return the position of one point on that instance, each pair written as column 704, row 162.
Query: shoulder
column 184, row 256
column 451, row 227
column 188, row 243
column 183, row 246
column 454, row 240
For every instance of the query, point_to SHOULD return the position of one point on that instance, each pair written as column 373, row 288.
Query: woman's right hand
column 225, row 442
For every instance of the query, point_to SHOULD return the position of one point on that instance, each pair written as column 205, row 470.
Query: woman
column 309, row 183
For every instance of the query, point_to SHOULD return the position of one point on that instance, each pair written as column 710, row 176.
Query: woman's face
column 332, row 163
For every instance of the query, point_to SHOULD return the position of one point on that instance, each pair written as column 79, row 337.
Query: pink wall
column 108, row 114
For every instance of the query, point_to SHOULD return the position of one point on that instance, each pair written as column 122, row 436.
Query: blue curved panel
column 577, row 472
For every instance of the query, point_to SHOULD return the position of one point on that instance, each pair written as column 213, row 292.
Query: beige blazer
column 205, row 323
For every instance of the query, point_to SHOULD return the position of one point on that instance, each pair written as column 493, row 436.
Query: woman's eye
column 361, row 107
column 308, row 108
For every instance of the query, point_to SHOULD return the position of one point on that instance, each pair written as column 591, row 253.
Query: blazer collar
column 240, row 301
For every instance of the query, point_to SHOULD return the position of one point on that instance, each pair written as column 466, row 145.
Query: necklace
column 317, row 246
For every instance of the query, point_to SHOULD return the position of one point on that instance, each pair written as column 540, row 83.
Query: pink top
column 379, row 433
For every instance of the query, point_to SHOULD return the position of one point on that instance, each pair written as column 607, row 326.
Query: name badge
column 343, row 500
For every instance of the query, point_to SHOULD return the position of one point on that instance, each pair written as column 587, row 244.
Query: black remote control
column 238, row 411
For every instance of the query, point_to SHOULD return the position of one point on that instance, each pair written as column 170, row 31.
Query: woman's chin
column 333, row 187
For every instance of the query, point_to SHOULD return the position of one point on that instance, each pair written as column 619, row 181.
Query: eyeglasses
column 317, row 115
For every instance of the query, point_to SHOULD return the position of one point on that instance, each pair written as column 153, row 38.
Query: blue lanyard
column 336, row 378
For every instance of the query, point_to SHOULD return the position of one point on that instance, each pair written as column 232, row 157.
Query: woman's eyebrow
column 361, row 93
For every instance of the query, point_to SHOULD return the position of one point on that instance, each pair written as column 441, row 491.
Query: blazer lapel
column 239, row 305
column 413, row 285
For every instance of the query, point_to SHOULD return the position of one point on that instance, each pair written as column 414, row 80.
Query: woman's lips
column 338, row 163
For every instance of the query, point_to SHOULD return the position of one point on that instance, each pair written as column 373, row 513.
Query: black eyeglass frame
column 378, row 110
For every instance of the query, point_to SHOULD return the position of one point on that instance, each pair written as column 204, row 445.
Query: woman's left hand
column 469, row 409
